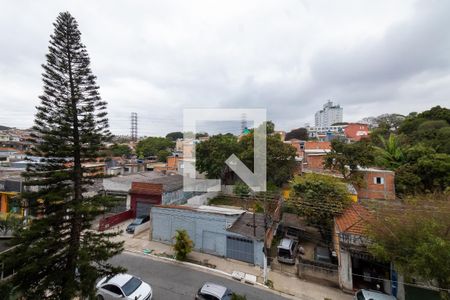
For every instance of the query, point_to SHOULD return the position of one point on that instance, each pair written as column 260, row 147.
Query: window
column 360, row 296
column 131, row 286
column 378, row 180
column 113, row 289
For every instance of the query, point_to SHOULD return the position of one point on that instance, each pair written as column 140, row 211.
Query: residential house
column 314, row 155
column 140, row 191
column 358, row 269
column 354, row 132
column 379, row 184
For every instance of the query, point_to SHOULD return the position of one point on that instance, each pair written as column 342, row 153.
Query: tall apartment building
column 329, row 115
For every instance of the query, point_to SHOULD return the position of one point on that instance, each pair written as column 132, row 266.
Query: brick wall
column 373, row 190
column 314, row 162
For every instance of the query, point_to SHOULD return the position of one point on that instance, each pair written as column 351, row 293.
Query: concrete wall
column 202, row 199
column 175, row 197
column 207, row 230
column 345, row 271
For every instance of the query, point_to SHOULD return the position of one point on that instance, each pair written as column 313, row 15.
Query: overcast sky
column 158, row 57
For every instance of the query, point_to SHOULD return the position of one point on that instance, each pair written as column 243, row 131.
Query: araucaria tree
column 58, row 256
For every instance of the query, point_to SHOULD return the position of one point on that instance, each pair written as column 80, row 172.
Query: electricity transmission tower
column 134, row 132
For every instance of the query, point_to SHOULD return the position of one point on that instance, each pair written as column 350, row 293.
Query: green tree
column 281, row 162
column 152, row 145
column 120, row 150
column 417, row 241
column 347, row 158
column 162, row 155
column 434, row 169
column 319, row 198
column 59, row 253
column 431, row 127
column 391, row 154
column 212, row 154
column 183, row 244
column 299, row 134
column 270, row 127
column 173, row 136
column 201, row 134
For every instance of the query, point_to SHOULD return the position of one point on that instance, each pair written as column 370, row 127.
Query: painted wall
column 207, row 230
column 345, row 271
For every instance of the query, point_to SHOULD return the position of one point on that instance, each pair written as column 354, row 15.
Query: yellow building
column 5, row 201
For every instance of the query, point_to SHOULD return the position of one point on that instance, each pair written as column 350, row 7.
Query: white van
column 287, row 251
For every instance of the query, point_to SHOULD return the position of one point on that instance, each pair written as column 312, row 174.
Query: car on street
column 136, row 222
column 372, row 295
column 213, row 291
column 123, row 286
column 287, row 251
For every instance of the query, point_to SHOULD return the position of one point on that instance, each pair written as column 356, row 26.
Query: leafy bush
column 183, row 244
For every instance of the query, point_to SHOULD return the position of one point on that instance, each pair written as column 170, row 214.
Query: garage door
column 240, row 249
column 142, row 208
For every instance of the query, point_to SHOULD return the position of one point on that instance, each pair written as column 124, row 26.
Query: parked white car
column 123, row 286
column 372, row 295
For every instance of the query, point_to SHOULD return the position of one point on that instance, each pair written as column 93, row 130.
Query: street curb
column 192, row 265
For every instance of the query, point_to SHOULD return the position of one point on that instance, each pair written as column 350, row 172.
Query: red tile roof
column 317, row 145
column 354, row 219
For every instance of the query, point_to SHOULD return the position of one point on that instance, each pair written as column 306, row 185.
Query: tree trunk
column 75, row 232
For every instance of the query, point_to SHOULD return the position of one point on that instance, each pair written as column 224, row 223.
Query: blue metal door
column 240, row 249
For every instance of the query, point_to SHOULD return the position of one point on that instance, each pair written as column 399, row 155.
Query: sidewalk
column 289, row 285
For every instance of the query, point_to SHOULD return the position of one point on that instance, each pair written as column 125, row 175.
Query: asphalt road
column 175, row 282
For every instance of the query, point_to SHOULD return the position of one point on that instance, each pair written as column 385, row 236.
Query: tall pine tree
column 58, row 256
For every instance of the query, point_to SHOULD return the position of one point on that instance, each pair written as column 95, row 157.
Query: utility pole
column 265, row 251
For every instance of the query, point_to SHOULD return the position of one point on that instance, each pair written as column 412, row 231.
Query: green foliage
column 431, row 128
column 280, row 159
column 201, row 134
column 183, row 244
column 391, row 154
column 319, row 198
column 347, row 158
column 173, row 136
column 152, row 145
column 59, row 253
column 212, row 154
column 120, row 150
column 241, row 189
column 417, row 240
column 9, row 223
column 299, row 134
column 162, row 155
column 270, row 127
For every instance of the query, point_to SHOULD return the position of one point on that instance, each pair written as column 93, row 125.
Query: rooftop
column 353, row 220
column 245, row 225
column 206, row 209
column 317, row 145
